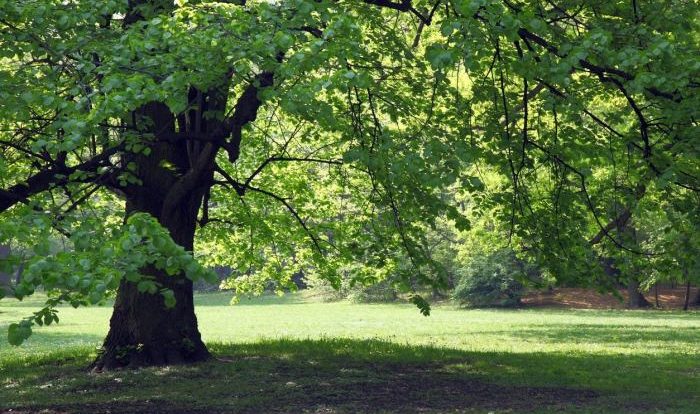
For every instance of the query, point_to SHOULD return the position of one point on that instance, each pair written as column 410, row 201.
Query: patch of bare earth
column 578, row 298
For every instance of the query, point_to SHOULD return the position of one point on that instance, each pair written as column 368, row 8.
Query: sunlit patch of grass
column 290, row 354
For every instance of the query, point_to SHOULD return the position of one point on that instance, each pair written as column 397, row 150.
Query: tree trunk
column 686, row 303
column 5, row 278
column 636, row 299
column 656, row 295
column 176, row 178
column 142, row 330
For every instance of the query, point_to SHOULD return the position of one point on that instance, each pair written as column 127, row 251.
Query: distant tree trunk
column 636, row 299
column 5, row 278
column 656, row 295
column 299, row 279
column 686, row 303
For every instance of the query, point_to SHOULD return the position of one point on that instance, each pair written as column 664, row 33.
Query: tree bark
column 636, row 299
column 686, row 303
column 5, row 278
column 142, row 330
column 656, row 295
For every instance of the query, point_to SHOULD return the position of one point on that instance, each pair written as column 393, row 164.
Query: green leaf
column 17, row 333
column 421, row 303
column 438, row 56
column 168, row 298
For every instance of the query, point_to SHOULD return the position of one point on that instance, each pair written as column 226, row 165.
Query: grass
column 292, row 354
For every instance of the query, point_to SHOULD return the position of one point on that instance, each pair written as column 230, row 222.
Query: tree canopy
column 148, row 140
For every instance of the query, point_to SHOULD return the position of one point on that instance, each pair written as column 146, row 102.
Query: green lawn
column 291, row 354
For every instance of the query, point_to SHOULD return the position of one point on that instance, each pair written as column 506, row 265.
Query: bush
column 379, row 292
column 493, row 280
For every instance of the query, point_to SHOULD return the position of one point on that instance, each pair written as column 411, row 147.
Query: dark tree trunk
column 636, row 299
column 656, row 295
column 5, row 277
column 142, row 330
column 686, row 303
column 176, row 178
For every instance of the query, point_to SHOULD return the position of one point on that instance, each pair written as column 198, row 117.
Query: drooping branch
column 293, row 212
column 620, row 221
column 593, row 68
column 267, row 162
column 604, row 229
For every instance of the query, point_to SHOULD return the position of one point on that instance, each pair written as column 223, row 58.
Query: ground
column 577, row 298
column 294, row 355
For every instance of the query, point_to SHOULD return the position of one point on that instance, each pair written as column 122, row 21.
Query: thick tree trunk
column 142, row 330
column 635, row 299
column 686, row 303
column 176, row 175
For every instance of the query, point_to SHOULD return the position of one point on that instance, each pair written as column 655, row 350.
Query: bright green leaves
column 370, row 135
column 439, row 56
column 146, row 242
column 421, row 304
column 168, row 297
column 283, row 40
column 46, row 316
column 17, row 333
column 91, row 271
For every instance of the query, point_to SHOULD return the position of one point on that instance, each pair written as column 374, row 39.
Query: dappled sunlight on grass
column 348, row 357
column 365, row 375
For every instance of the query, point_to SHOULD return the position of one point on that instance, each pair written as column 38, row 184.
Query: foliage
column 494, row 280
column 81, row 277
column 381, row 292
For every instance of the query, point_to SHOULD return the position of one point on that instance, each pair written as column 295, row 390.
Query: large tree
column 300, row 134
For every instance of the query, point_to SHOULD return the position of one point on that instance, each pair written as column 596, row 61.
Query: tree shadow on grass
column 365, row 376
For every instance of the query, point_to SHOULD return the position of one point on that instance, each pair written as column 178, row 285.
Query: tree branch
column 45, row 179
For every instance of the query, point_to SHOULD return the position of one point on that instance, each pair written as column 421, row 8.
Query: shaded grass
column 339, row 357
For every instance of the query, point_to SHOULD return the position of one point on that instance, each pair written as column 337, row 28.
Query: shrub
column 494, row 279
column 381, row 291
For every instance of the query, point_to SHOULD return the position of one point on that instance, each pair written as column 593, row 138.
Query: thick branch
column 245, row 111
column 45, row 179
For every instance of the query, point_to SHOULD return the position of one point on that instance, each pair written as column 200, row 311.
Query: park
column 349, row 206
column 298, row 354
